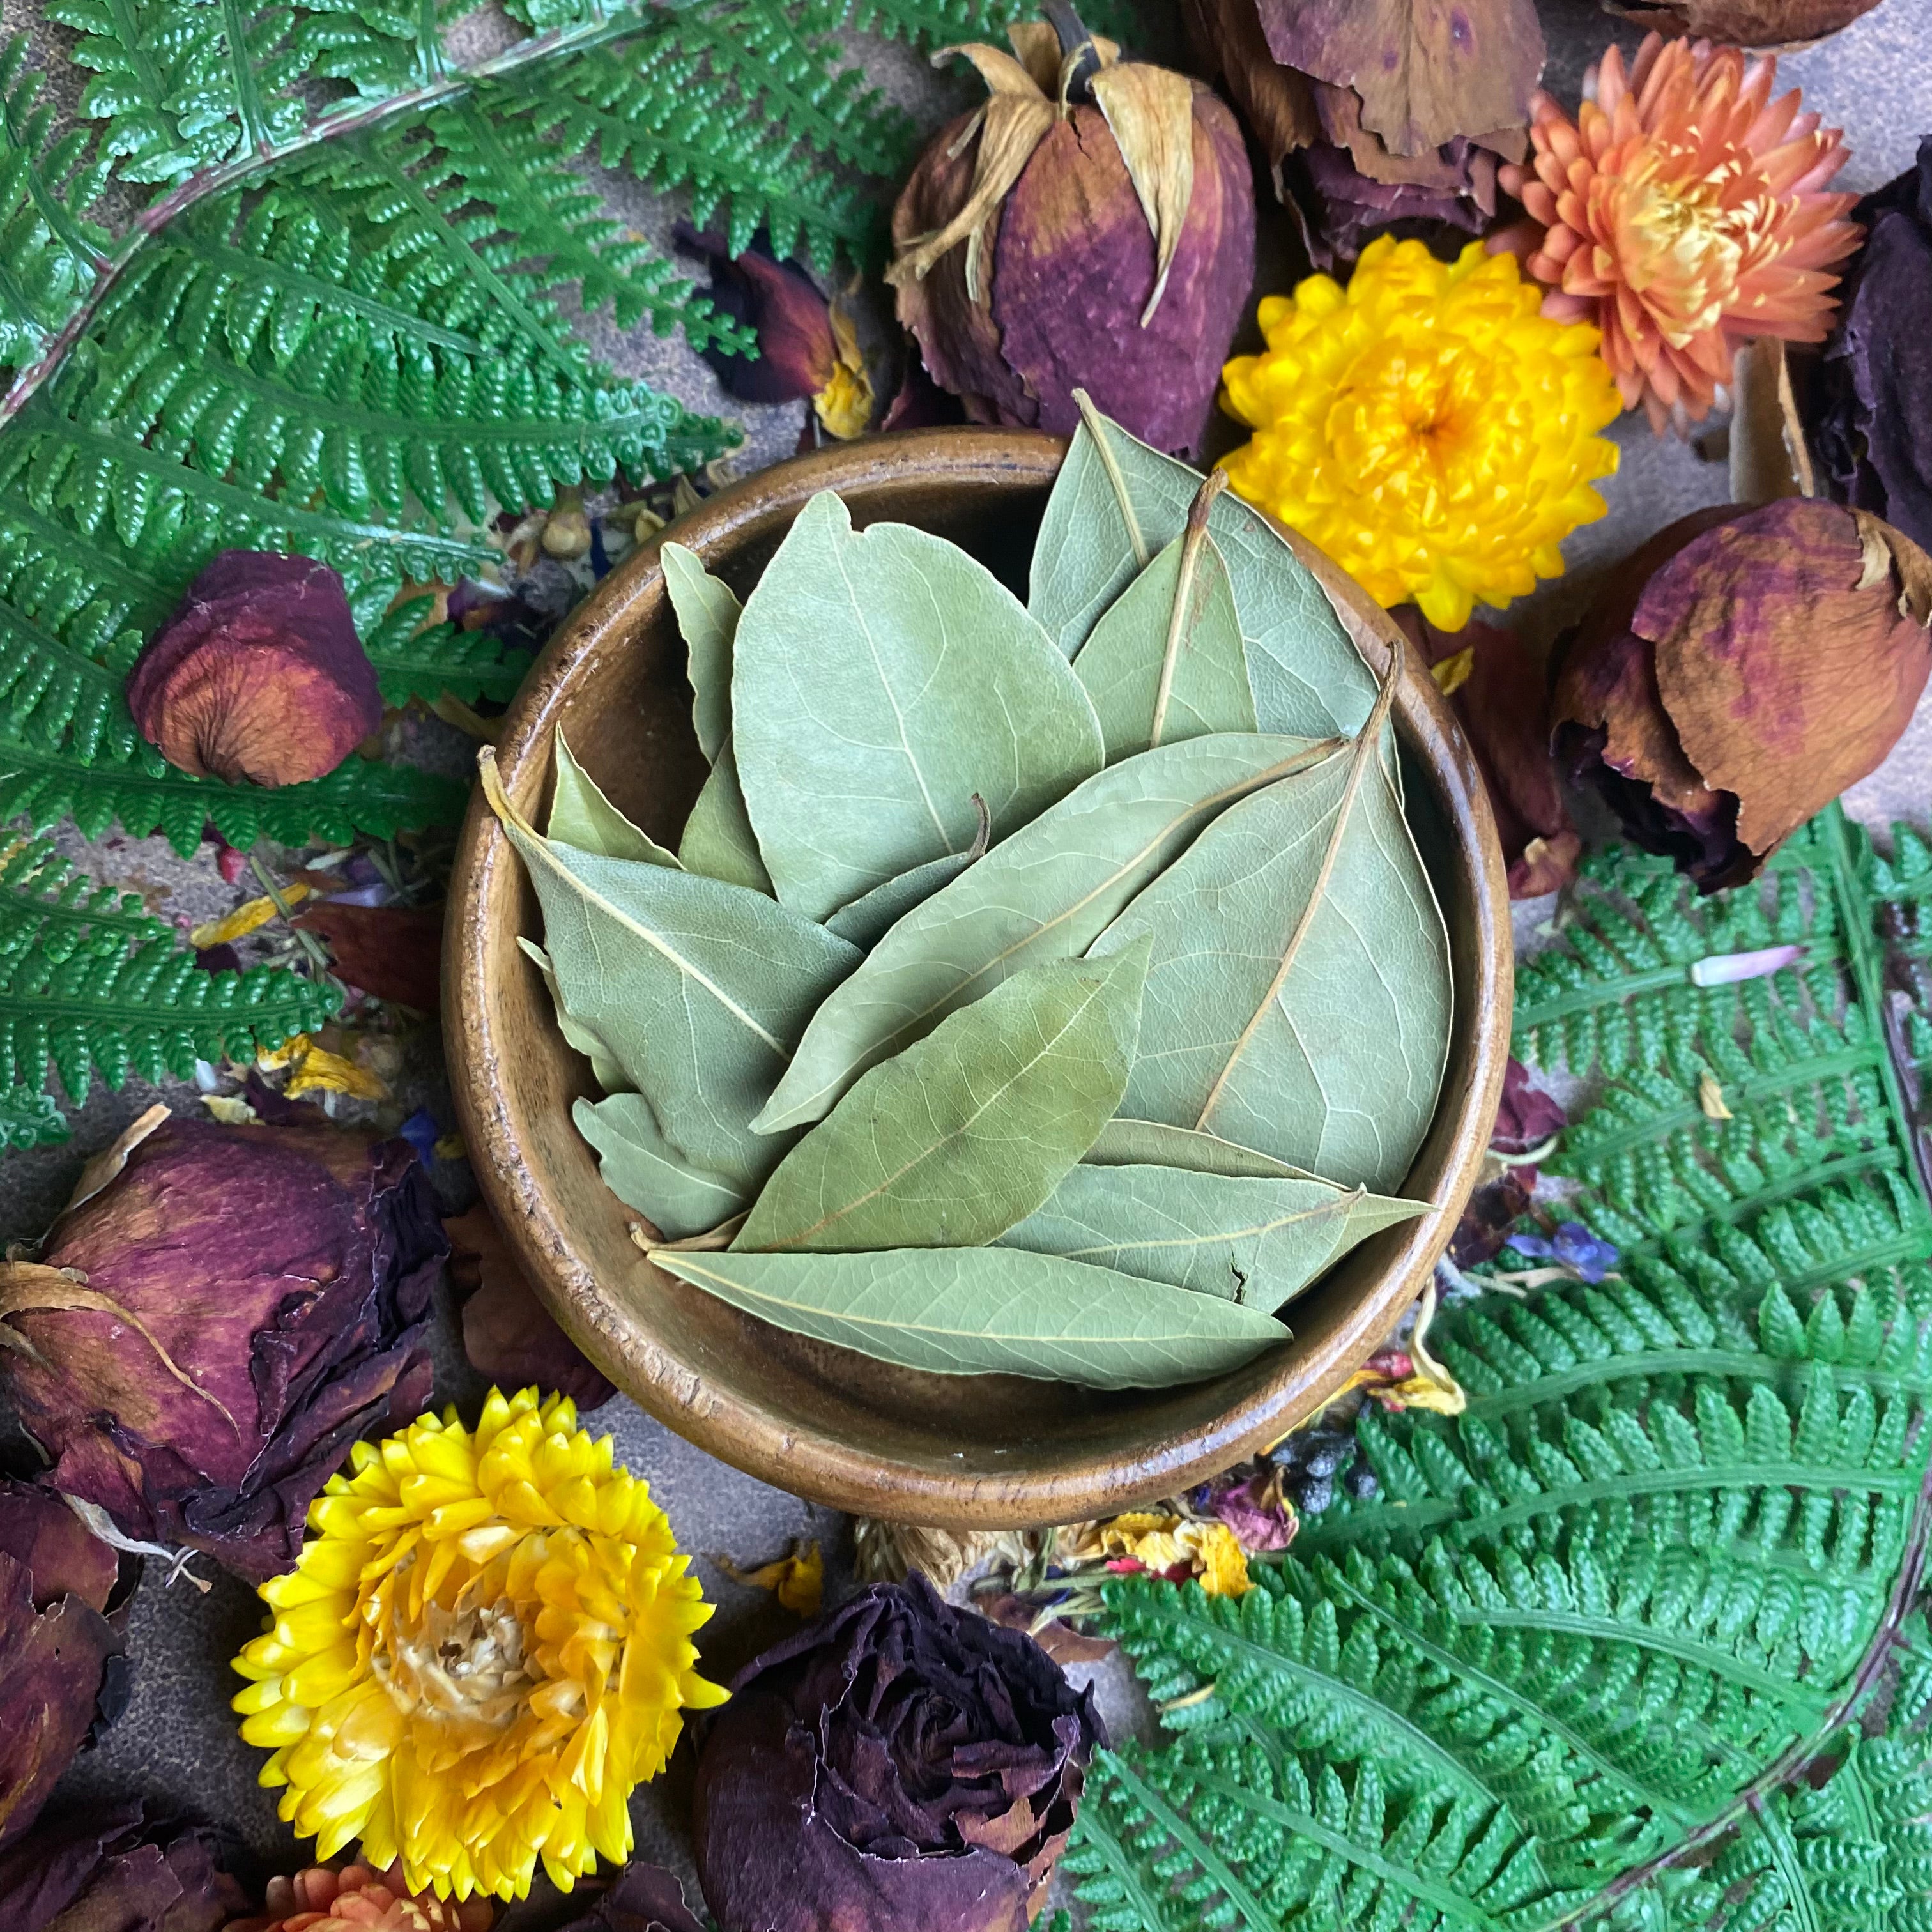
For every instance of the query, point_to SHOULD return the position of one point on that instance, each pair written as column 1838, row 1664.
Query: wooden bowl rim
column 730, row 1422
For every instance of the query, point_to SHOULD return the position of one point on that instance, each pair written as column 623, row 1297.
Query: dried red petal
column 390, row 952
column 1745, row 23
column 260, row 675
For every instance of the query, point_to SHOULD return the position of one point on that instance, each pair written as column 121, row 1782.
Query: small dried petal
column 260, row 675
column 507, row 1334
column 1528, row 1118
column 106, row 1868
column 1744, row 23
column 391, row 952
column 1737, row 685
column 641, row 1898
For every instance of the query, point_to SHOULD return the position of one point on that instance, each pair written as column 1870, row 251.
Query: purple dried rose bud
column 261, row 1299
column 1108, row 248
column 260, row 675
column 1872, row 421
column 1253, row 1507
column 1751, row 664
column 63, row 1662
column 899, row 1763
column 105, row 1868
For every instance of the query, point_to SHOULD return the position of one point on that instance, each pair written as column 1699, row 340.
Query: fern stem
column 206, row 181
column 1792, row 1761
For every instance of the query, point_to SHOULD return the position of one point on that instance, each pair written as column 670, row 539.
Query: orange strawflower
column 357, row 1899
column 1683, row 212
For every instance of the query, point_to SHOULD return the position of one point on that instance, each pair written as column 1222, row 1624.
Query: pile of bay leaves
column 1054, row 988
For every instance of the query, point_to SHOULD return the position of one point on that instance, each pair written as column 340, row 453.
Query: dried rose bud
column 1317, row 113
column 1744, row 23
column 260, row 675
column 249, row 1301
column 1750, row 670
column 1098, row 237
column 807, row 347
column 64, row 1674
column 1873, row 424
column 106, row 1868
column 900, row 1763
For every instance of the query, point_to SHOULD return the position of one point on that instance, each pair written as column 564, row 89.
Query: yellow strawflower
column 485, row 1645
column 1425, row 426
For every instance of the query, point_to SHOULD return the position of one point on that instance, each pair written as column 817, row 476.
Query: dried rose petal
column 1737, row 686
column 1873, row 425
column 391, row 952
column 899, row 1764
column 1500, row 693
column 641, row 1898
column 1110, row 248
column 104, row 1868
column 260, row 675
column 1744, row 23
column 1527, row 1116
column 63, row 1668
column 507, row 1334
column 287, row 1271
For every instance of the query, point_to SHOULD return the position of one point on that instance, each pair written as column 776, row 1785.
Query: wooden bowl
column 977, row 1452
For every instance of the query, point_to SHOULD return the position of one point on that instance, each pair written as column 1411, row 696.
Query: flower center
column 1399, row 422
column 1681, row 250
column 462, row 1664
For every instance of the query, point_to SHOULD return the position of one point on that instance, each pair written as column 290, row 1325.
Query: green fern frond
column 41, row 891
column 931, row 23
column 30, row 1117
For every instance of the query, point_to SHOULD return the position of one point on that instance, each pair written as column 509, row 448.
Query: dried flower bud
column 1873, row 425
column 104, row 1868
column 1101, row 237
column 63, row 1663
column 899, row 1763
column 254, row 1298
column 260, row 675
column 1750, row 670
column 807, row 347
column 1744, row 23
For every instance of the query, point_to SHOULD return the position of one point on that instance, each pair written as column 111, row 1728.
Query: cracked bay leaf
column 718, row 840
column 979, row 1311
column 1117, row 503
column 580, row 815
column 707, row 617
column 968, row 1130
column 1165, row 662
column 1257, row 1241
column 1298, row 1001
column 645, row 1171
column 1046, row 892
column 697, row 989
column 880, row 678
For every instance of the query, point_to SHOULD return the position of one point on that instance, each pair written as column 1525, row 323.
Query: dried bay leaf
column 645, row 1171
column 707, row 616
column 1127, row 1142
column 867, row 920
column 880, row 679
column 1165, row 662
column 718, row 840
column 1256, row 1241
column 979, row 1311
column 580, row 815
column 697, row 989
column 1116, row 503
column 1298, row 1001
column 968, row 1131
column 1046, row 892
column 579, row 1037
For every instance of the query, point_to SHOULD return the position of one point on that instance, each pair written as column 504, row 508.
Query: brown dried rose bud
column 1756, row 663
column 1744, row 23
column 1095, row 235
column 260, row 675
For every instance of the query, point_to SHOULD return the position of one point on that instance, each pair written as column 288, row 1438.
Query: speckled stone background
column 177, row 1745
